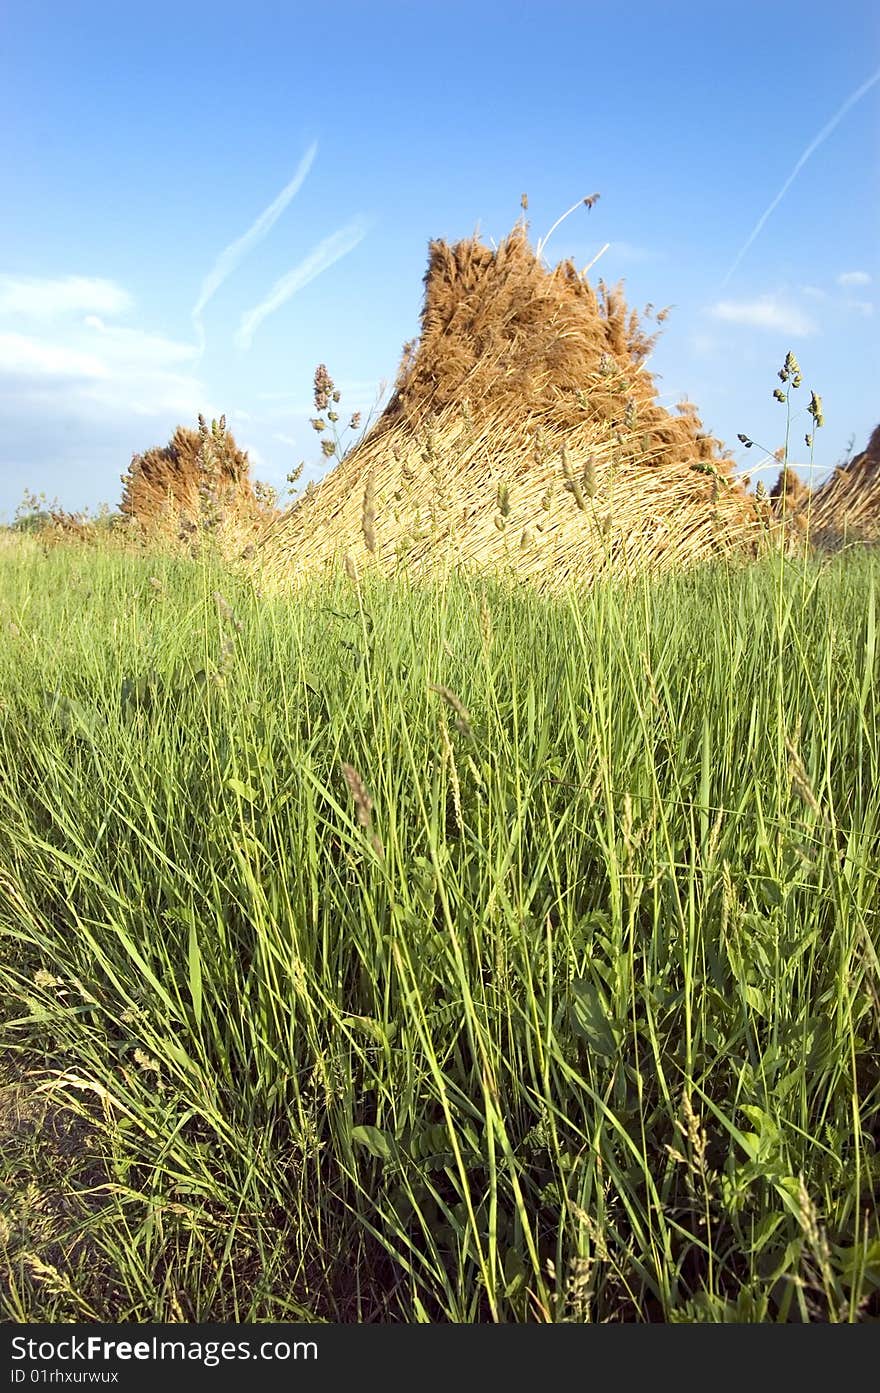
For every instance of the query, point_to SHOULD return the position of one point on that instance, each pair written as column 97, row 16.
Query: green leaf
column 431, row 1147
column 368, row 1025
column 379, row 1144
column 859, row 1263
column 771, row 892
column 138, row 693
column 590, row 1018
column 71, row 716
column 765, row 1230
column 767, row 1126
column 515, row 1272
column 788, row 1188
column 244, row 791
column 755, row 998
column 705, row 777
column 195, row 972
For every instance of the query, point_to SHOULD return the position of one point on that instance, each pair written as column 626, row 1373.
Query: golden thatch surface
column 846, row 507
column 788, row 492
column 524, row 430
column 195, row 471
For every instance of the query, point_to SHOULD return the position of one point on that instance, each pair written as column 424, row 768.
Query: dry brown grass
column 198, row 474
column 524, row 431
column 64, row 527
column 788, row 492
column 845, row 509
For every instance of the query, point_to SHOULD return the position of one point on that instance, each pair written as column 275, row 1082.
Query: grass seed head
column 449, row 756
column 591, row 486
column 800, row 780
column 362, row 801
column 485, row 622
column 224, row 608
column 571, row 483
column 790, row 370
column 323, row 387
column 226, row 612
column 368, row 515
column 462, row 715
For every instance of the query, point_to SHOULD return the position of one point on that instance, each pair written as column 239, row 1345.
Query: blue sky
column 202, row 202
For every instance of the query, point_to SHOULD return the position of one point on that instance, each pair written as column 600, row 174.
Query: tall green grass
column 548, row 995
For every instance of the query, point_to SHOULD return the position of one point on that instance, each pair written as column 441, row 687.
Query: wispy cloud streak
column 332, row 249
column 811, row 149
column 234, row 254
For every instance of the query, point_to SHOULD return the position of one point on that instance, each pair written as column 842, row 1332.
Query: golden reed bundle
column 523, row 432
column 197, row 475
column 845, row 509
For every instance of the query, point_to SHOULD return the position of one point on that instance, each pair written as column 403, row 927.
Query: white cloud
column 48, row 298
column 850, row 278
column 79, row 394
column 285, row 439
column 814, row 292
column 138, row 348
column 862, row 307
column 95, row 371
column 174, row 397
column 80, row 364
column 324, row 255
column 24, row 357
column 767, row 312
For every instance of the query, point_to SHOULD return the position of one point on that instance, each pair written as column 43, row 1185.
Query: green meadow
column 406, row 952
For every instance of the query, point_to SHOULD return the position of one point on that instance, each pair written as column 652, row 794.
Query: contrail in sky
column 332, row 249
column 811, row 149
column 235, row 253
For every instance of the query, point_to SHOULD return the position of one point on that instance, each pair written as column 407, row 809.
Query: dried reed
column 526, row 386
